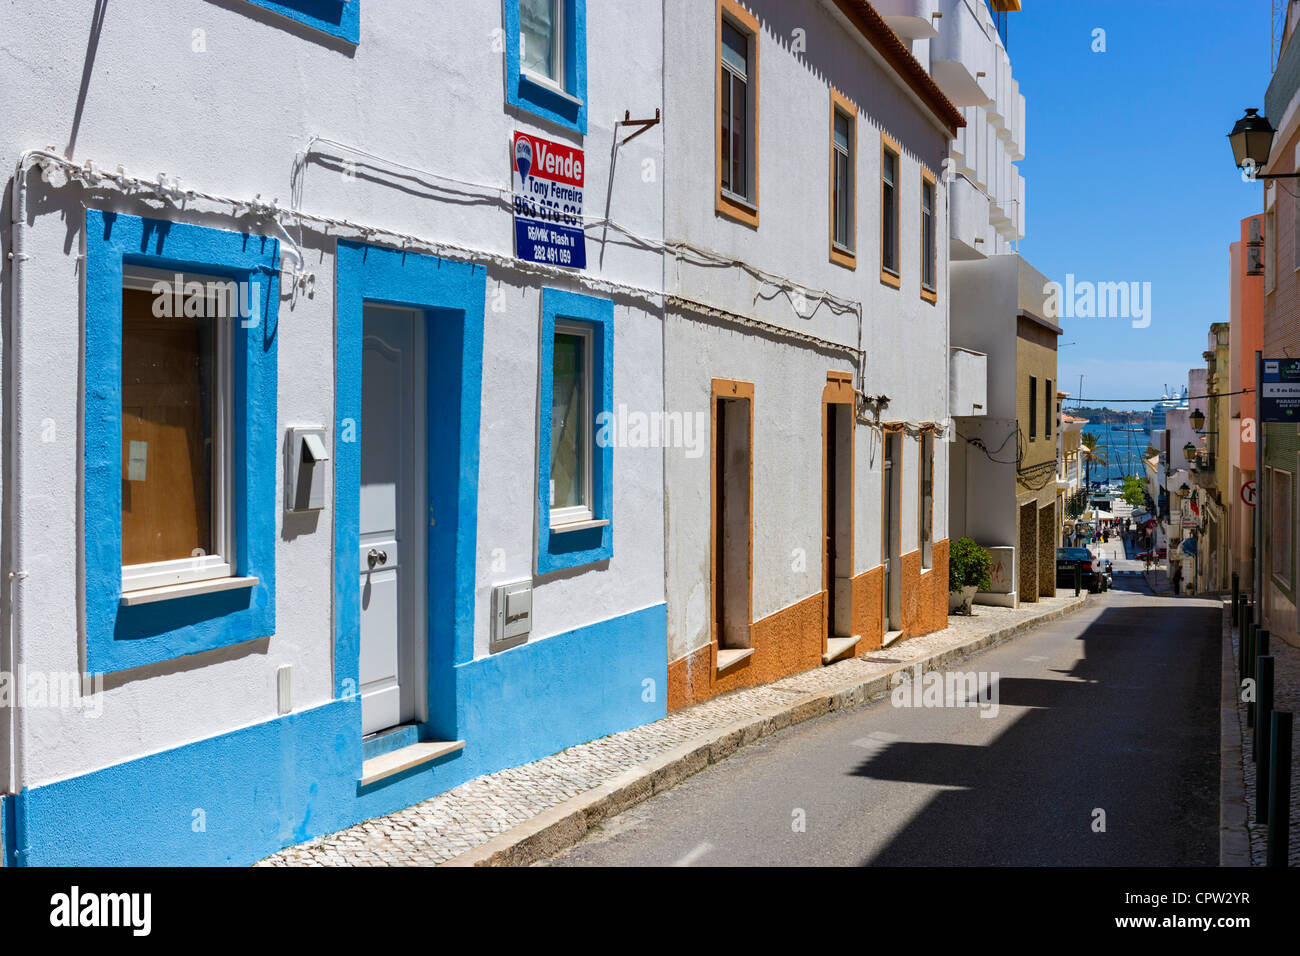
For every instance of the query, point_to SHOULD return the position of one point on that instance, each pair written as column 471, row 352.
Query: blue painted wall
column 274, row 784
column 338, row 18
column 7, row 806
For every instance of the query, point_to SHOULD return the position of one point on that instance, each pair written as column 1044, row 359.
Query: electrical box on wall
column 304, row 485
column 512, row 615
column 284, row 688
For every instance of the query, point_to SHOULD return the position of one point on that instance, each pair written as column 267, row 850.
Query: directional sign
column 1248, row 493
column 1279, row 391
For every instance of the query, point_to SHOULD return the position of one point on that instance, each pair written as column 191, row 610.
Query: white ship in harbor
column 1107, row 503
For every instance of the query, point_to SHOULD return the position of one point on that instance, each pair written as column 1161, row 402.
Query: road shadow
column 1129, row 741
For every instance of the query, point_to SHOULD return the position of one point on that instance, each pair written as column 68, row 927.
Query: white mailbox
column 512, row 615
column 304, row 485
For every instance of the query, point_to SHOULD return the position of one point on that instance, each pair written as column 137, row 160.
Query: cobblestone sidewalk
column 1286, row 696
column 445, row 826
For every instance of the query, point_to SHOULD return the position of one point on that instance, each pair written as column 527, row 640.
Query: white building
column 1184, row 512
column 261, row 550
column 963, row 43
column 1002, row 450
column 1069, row 461
column 386, row 406
column 808, row 255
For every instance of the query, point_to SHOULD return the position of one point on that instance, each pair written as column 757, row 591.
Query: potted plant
column 968, row 571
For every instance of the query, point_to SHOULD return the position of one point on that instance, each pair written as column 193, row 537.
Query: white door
column 392, row 539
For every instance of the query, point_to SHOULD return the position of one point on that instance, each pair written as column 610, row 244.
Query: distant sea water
column 1126, row 446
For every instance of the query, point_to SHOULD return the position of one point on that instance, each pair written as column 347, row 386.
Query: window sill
column 738, row 200
column 189, row 589
column 541, row 98
column 839, row 647
column 929, row 295
column 550, row 86
column 891, row 279
column 407, row 758
column 579, row 525
column 840, row 255
column 729, row 657
column 737, row 208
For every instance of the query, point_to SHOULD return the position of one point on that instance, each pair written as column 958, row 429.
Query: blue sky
column 1129, row 175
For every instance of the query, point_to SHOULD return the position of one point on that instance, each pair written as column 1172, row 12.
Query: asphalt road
column 1113, row 709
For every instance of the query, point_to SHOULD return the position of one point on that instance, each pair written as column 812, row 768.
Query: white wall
column 985, row 151
column 230, row 121
column 1181, row 432
column 792, row 241
column 985, row 303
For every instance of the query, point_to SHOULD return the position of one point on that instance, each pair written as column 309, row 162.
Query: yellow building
column 1036, row 492
column 1210, row 468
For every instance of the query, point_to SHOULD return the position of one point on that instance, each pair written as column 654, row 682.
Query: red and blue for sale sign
column 548, row 180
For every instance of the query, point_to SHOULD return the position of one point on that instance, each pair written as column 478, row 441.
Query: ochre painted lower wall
column 791, row 640
column 925, row 593
column 868, row 612
column 784, row 643
column 932, row 603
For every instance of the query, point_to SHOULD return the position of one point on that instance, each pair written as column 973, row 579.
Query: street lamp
column 1189, row 451
column 1252, row 140
column 1184, row 491
column 1197, row 420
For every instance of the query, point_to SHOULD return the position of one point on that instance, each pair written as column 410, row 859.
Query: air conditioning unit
column 1255, row 260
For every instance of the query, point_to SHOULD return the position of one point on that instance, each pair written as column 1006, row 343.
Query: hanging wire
column 94, row 179
column 1157, row 401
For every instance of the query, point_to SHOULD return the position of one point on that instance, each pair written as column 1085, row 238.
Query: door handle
column 376, row 557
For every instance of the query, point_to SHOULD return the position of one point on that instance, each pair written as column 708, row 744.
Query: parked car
column 1158, row 555
column 1090, row 573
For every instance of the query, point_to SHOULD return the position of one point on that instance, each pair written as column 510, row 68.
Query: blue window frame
column 121, row 636
column 563, row 100
column 338, row 18
column 590, row 541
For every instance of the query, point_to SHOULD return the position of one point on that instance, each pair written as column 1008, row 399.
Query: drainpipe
column 14, row 493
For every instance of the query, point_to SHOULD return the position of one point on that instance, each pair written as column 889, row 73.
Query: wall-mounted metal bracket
column 645, row 124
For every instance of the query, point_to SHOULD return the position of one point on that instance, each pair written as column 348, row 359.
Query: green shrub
column 968, row 565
